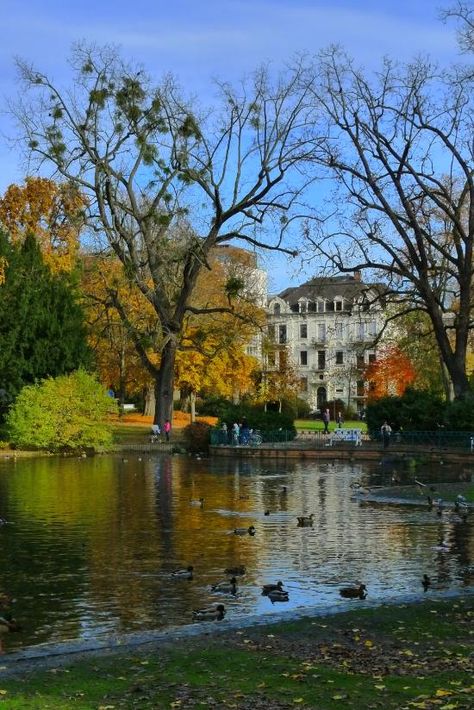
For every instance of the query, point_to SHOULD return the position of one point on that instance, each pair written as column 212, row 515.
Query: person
column 155, row 432
column 244, row 432
column 235, row 433
column 386, row 430
column 167, row 428
column 224, row 434
column 326, row 420
column 340, row 420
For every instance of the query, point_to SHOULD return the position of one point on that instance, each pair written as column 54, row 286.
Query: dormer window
column 320, row 306
column 276, row 309
column 303, row 306
column 338, row 303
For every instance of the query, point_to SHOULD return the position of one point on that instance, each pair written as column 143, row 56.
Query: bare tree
column 167, row 182
column 400, row 147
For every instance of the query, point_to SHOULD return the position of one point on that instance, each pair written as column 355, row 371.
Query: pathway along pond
column 89, row 544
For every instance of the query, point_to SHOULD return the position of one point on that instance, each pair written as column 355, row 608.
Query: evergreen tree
column 42, row 331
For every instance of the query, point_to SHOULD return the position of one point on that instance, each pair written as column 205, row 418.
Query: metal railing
column 218, row 437
column 440, row 439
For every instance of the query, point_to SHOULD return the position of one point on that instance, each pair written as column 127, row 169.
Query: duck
column 245, row 531
column 278, row 595
column 359, row 592
column 267, row 512
column 426, row 582
column 7, row 625
column 235, row 571
column 199, row 503
column 305, row 520
column 186, row 573
column 215, row 613
column 267, row 588
column 226, row 587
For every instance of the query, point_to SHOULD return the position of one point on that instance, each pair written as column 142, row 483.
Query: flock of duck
column 274, row 591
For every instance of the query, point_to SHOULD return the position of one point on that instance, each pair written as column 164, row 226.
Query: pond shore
column 412, row 650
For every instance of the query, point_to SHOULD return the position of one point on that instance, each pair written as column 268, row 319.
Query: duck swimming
column 359, row 592
column 186, row 573
column 267, row 588
column 305, row 521
column 7, row 625
column 238, row 570
column 227, row 587
column 245, row 531
column 215, row 613
column 278, row 595
column 199, row 503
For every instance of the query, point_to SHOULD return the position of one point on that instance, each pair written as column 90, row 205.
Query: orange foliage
column 180, row 420
column 52, row 212
column 390, row 374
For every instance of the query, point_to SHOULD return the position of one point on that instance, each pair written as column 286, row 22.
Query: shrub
column 65, row 413
column 415, row 410
column 196, row 437
column 459, row 415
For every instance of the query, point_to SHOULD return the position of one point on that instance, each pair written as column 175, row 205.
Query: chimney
column 357, row 276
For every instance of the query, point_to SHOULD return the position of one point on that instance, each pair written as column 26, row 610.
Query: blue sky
column 200, row 40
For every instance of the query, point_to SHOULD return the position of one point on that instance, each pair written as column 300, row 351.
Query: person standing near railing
column 326, row 420
column 386, row 431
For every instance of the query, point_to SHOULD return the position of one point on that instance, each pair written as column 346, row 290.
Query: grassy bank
column 416, row 656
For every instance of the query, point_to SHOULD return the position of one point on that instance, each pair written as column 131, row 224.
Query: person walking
column 167, row 429
column 326, row 420
column 340, row 420
column 235, row 433
column 386, row 431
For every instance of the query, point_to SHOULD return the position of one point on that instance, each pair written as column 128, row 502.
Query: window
column 339, row 390
column 339, row 357
column 372, row 329
column 360, row 388
column 360, row 362
column 321, row 332
column 303, row 384
column 271, row 332
column 338, row 305
column 303, row 357
column 303, row 306
column 321, row 359
column 320, row 306
column 360, row 331
column 271, row 359
column 338, row 331
column 282, row 334
column 276, row 309
column 303, row 330
column 372, row 357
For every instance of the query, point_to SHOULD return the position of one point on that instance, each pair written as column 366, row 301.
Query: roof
column 328, row 287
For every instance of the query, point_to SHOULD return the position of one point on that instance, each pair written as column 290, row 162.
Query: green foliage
column 42, row 330
column 65, row 413
column 415, row 410
column 196, row 436
column 459, row 415
column 257, row 418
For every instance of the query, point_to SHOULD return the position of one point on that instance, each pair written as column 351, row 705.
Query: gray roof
column 328, row 287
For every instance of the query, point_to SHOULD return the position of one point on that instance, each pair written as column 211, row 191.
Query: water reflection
column 90, row 544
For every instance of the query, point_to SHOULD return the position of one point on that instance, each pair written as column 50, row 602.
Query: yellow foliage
column 52, row 212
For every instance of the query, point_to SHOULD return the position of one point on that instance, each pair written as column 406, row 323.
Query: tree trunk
column 192, row 402
column 164, row 384
column 150, row 402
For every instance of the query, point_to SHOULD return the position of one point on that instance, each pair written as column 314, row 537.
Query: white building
column 327, row 327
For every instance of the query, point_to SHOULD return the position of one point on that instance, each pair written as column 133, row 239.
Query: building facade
column 328, row 329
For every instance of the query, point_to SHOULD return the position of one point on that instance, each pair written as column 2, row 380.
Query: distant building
column 328, row 327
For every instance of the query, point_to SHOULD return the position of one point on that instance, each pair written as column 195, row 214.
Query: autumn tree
column 167, row 182
column 53, row 212
column 399, row 146
column 390, row 374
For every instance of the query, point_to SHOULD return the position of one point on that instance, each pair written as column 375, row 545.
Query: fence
column 436, row 439
column 225, row 438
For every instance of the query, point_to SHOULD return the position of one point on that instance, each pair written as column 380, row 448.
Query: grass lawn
column 318, row 425
column 394, row 657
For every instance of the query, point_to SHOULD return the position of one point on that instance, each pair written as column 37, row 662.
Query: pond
column 89, row 545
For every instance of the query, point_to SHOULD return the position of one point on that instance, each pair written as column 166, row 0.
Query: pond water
column 89, row 544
